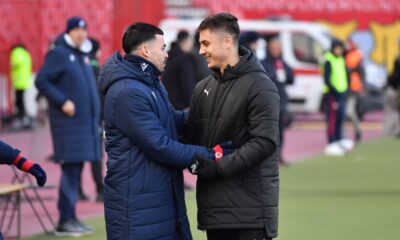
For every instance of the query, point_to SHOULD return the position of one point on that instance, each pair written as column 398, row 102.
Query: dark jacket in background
column 394, row 78
column 201, row 69
column 179, row 77
column 242, row 106
column 144, row 196
column 67, row 74
column 269, row 65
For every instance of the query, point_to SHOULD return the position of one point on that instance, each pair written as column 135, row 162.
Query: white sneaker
column 335, row 149
column 347, row 144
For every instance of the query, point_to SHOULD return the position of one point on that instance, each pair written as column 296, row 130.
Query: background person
column 67, row 80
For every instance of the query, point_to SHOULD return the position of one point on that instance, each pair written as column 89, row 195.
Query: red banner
column 364, row 11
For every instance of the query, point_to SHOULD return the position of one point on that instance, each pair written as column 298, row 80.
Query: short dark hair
column 336, row 43
column 182, row 36
column 222, row 21
column 138, row 33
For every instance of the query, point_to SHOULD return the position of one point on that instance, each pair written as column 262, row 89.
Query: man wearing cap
column 249, row 40
column 68, row 82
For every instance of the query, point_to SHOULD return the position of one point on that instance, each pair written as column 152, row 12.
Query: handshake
column 207, row 168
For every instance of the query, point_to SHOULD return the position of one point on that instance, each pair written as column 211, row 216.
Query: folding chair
column 19, row 180
column 12, row 195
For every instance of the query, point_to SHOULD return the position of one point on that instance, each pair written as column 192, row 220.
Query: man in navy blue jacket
column 144, row 195
column 68, row 82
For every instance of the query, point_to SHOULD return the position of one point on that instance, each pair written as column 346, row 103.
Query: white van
column 303, row 45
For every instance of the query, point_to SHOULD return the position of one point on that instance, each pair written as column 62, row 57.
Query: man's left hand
column 206, row 168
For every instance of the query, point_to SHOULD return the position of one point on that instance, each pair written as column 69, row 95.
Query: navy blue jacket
column 144, row 195
column 67, row 74
column 7, row 153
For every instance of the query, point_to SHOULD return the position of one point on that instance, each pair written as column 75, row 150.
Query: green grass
column 352, row 197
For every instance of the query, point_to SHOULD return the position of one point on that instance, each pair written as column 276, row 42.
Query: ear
column 228, row 41
column 145, row 51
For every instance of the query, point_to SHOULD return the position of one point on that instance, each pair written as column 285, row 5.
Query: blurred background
column 355, row 196
column 373, row 25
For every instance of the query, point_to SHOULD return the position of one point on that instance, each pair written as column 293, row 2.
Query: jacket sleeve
column 7, row 153
column 136, row 119
column 289, row 74
column 180, row 119
column 263, row 120
column 48, row 75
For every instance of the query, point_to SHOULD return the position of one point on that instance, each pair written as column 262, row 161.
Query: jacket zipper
column 210, row 113
column 218, row 113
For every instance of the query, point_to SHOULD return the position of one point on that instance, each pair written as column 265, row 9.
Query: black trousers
column 97, row 174
column 237, row 234
column 19, row 103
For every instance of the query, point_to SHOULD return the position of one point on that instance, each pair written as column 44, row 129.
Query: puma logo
column 207, row 91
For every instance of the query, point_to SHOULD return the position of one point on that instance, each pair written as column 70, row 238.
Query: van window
column 306, row 49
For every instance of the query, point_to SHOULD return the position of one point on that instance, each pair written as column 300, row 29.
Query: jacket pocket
column 271, row 228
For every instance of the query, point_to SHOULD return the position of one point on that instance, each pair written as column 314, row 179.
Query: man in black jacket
column 179, row 76
column 394, row 78
column 237, row 195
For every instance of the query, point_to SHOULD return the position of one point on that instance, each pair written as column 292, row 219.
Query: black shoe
column 83, row 197
column 88, row 229
column 70, row 229
column 358, row 137
column 27, row 122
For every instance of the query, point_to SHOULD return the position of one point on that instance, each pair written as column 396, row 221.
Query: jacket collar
column 86, row 47
column 247, row 63
column 145, row 65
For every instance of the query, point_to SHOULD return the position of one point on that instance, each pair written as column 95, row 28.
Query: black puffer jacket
column 242, row 106
column 179, row 77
